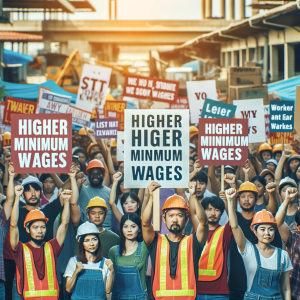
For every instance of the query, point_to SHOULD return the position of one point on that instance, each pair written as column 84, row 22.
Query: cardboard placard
column 106, row 128
column 180, row 103
column 223, row 141
column 52, row 103
column 17, row 106
column 115, row 109
column 79, row 117
column 282, row 116
column 151, row 88
column 248, row 92
column 253, row 110
column 156, row 148
column 239, row 76
column 197, row 92
column 121, row 145
column 41, row 143
column 217, row 109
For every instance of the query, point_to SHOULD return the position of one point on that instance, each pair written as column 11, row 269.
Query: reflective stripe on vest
column 28, row 263
column 211, row 269
column 163, row 292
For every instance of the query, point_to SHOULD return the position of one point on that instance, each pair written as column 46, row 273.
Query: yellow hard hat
column 94, row 114
column 193, row 131
column 97, row 202
column 264, row 147
column 247, row 187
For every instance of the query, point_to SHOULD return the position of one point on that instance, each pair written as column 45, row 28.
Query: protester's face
column 96, row 215
column 95, row 176
column 130, row 205
column 283, row 190
column 48, row 185
column 260, row 187
column 228, row 171
column 82, row 158
column 90, row 243
column 247, row 201
column 121, row 167
column 271, row 167
column 94, row 149
column 99, row 156
column 37, row 230
column 194, row 141
column 32, row 197
column 200, row 189
column 294, row 163
column 123, row 190
column 265, row 233
column 130, row 230
column 266, row 155
column 192, row 150
column 113, row 152
column 175, row 220
column 268, row 178
column 298, row 174
column 191, row 165
column 277, row 156
column 213, row 214
column 218, row 173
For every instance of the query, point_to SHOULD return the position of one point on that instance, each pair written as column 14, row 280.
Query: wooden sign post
column 222, row 178
column 156, row 209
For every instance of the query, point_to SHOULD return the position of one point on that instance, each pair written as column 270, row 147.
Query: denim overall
column 127, row 283
column 90, row 284
column 265, row 284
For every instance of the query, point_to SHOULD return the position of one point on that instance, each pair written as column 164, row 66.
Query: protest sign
column 17, row 106
column 180, row 103
column 253, row 110
column 267, row 121
column 93, row 87
column 106, row 128
column 151, row 88
column 79, row 117
column 217, row 109
column 115, row 109
column 51, row 103
column 156, row 148
column 197, row 92
column 282, row 116
column 121, row 145
column 41, row 143
column 223, row 141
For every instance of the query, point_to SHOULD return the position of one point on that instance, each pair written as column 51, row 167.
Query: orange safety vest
column 212, row 258
column 183, row 286
column 33, row 287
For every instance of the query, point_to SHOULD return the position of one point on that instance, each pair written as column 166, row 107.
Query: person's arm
column 6, row 165
column 112, row 196
column 238, row 234
column 215, row 182
column 67, row 183
column 222, row 195
column 273, row 204
column 57, row 181
column 279, row 168
column 145, row 200
column 283, row 228
column 141, row 194
column 81, row 180
column 9, row 202
column 255, row 162
column 192, row 213
column 285, row 285
column 147, row 227
column 70, row 281
column 110, row 276
column 231, row 180
column 65, row 217
column 14, row 230
column 74, row 207
column 246, row 170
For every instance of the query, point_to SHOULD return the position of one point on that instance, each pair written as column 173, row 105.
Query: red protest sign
column 151, row 88
column 17, row 106
column 180, row 103
column 41, row 143
column 115, row 109
column 223, row 141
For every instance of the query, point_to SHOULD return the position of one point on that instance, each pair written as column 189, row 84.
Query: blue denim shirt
column 4, row 225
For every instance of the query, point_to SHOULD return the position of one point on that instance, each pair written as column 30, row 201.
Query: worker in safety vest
column 174, row 256
column 36, row 260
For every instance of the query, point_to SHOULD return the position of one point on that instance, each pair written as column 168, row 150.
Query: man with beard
column 175, row 256
column 247, row 197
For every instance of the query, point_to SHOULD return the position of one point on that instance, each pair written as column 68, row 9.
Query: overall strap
column 102, row 263
column 117, row 252
column 256, row 251
column 138, row 254
column 279, row 251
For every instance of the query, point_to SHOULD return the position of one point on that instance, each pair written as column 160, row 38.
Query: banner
column 106, row 128
column 17, row 106
column 51, row 103
column 79, row 117
column 180, row 103
column 223, row 141
column 41, row 143
column 93, row 87
column 217, row 109
column 115, row 109
column 282, row 116
column 151, row 88
column 121, row 145
column 253, row 110
column 156, row 148
column 197, row 92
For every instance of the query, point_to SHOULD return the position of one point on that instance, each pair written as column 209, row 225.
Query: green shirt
column 129, row 261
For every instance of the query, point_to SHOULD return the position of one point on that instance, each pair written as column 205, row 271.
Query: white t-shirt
column 268, row 263
column 71, row 267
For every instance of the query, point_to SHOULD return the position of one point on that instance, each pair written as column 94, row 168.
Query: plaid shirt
column 293, row 245
column 4, row 225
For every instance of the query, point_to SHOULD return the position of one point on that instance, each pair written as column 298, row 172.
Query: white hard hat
column 87, row 228
column 31, row 179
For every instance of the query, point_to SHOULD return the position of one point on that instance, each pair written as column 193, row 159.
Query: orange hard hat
column 35, row 215
column 94, row 114
column 277, row 148
column 6, row 138
column 247, row 187
column 82, row 131
column 193, row 131
column 95, row 163
column 175, row 201
column 263, row 217
column 90, row 146
column 264, row 147
column 293, row 152
column 113, row 143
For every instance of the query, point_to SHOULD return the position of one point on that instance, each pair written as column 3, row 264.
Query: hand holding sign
column 154, row 194
column 222, row 195
column 90, row 133
column 18, row 191
column 152, row 187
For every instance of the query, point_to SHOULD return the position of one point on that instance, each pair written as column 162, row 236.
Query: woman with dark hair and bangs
column 89, row 275
column 130, row 260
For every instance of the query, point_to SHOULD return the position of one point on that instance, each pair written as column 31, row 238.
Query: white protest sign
column 79, row 117
column 253, row 110
column 50, row 103
column 156, row 148
column 121, row 145
column 197, row 92
column 93, row 87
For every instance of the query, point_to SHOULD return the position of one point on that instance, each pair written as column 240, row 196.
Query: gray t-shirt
column 87, row 193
